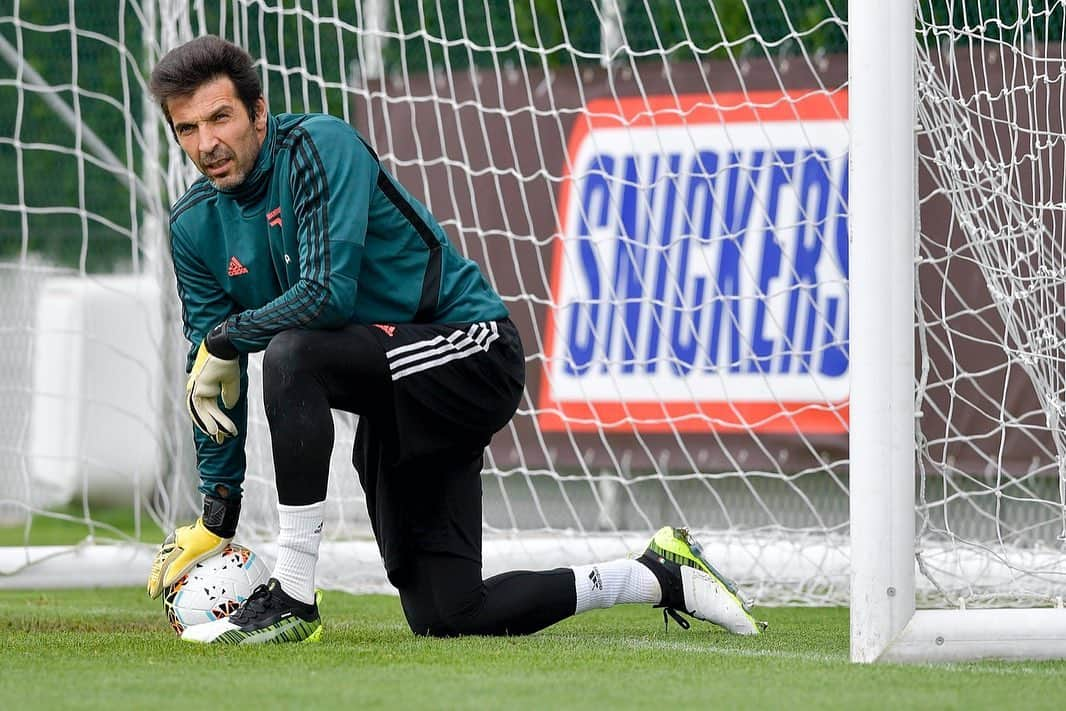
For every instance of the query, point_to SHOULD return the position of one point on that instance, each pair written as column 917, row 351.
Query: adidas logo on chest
column 236, row 268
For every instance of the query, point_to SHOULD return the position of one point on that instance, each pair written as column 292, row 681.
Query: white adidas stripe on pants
column 432, row 352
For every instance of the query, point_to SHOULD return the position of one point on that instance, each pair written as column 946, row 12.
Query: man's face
column 215, row 131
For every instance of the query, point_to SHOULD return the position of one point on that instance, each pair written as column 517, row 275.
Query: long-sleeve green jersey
column 318, row 235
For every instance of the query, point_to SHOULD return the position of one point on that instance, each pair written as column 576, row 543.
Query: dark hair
column 184, row 69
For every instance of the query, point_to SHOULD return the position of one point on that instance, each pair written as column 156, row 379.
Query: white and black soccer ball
column 214, row 587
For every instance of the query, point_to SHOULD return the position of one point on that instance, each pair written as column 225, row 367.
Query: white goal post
column 882, row 216
column 884, row 73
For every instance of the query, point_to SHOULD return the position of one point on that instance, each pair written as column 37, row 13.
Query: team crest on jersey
column 236, row 268
column 274, row 217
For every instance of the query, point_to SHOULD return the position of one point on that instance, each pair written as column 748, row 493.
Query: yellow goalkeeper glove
column 188, row 545
column 215, row 372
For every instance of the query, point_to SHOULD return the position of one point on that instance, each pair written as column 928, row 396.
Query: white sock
column 301, row 532
column 614, row 583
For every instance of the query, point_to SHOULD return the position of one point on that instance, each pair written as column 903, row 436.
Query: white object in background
column 96, row 413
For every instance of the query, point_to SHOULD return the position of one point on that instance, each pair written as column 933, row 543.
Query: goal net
column 660, row 192
column 957, row 336
column 991, row 303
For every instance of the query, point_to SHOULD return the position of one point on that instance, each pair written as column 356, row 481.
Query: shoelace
column 256, row 603
column 669, row 612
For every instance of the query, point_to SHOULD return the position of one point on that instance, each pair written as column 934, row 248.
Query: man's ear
column 260, row 114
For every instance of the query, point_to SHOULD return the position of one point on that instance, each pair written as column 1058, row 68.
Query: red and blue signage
column 700, row 272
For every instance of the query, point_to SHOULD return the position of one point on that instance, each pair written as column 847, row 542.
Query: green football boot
column 268, row 615
column 690, row 584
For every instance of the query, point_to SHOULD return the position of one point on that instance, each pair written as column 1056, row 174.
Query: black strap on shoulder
column 427, row 301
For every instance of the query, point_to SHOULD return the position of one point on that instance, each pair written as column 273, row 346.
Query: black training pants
column 429, row 397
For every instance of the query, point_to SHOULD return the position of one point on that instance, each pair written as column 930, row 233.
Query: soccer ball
column 214, row 587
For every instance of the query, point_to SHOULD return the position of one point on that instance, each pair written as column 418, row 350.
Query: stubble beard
column 233, row 179
column 242, row 156
column 230, row 181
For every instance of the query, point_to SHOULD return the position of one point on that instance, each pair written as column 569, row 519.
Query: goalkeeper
column 298, row 242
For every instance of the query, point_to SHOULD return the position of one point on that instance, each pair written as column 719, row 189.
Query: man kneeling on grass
column 298, row 242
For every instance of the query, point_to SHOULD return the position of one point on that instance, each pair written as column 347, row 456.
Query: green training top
column 317, row 236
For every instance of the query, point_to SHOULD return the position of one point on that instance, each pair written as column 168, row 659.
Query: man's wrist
column 221, row 515
column 218, row 343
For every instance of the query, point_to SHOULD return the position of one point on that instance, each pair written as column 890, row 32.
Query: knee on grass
column 461, row 620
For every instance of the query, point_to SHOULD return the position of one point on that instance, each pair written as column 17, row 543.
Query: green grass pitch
column 112, row 649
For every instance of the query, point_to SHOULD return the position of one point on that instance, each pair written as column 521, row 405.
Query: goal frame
column 885, row 624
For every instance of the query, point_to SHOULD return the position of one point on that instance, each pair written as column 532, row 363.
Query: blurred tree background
column 67, row 199
column 74, row 213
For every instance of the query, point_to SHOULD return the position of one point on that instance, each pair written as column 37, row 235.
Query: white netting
column 478, row 113
column 992, row 305
column 657, row 189
column 80, row 212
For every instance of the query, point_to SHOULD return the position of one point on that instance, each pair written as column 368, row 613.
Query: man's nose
column 208, row 139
